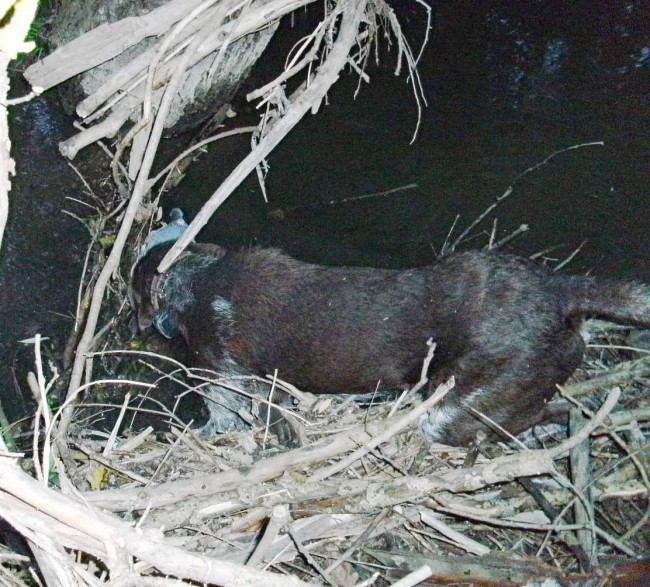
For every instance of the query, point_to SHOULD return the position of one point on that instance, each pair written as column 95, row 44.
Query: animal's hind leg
column 458, row 420
column 512, row 393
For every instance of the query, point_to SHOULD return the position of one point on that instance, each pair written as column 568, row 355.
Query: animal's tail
column 627, row 302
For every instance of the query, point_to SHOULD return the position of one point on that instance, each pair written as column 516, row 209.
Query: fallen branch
column 37, row 510
column 103, row 43
column 310, row 97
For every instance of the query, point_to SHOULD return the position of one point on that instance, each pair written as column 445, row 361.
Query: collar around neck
column 158, row 281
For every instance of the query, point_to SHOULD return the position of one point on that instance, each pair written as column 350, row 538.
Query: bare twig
column 327, row 74
column 511, row 187
column 390, row 430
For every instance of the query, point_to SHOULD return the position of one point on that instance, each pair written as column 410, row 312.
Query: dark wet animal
column 507, row 328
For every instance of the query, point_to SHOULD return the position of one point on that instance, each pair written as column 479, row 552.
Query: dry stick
column 619, row 347
column 212, row 139
column 403, row 188
column 163, row 411
column 106, row 128
column 264, row 470
column 570, row 257
column 424, row 379
column 369, row 581
column 553, row 528
column 401, row 423
column 621, row 443
column 47, row 416
column 363, row 537
column 112, row 263
column 110, row 443
column 305, row 399
column 312, row 95
column 503, row 468
column 473, row 514
column 105, row 42
column 257, row 19
column 506, row 239
column 169, row 452
column 108, row 464
column 597, row 419
column 624, row 419
column 620, row 374
column 363, row 495
column 366, row 495
column 583, row 509
column 416, row 577
column 300, row 547
column 511, row 187
column 404, row 49
column 493, row 235
column 68, row 404
column 51, row 561
column 445, row 244
column 460, row 540
column 36, row 440
column 94, row 235
column 35, row 93
column 292, row 70
column 227, row 40
column 545, row 251
column 131, row 81
column 279, row 517
column 143, row 125
column 267, row 424
column 637, row 463
column 128, row 78
column 80, row 528
column 123, row 81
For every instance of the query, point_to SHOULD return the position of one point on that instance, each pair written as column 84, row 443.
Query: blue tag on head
column 167, row 234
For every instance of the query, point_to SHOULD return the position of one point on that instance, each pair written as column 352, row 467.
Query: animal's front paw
column 287, row 432
column 283, row 425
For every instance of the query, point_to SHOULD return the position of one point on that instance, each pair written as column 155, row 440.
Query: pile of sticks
column 367, row 497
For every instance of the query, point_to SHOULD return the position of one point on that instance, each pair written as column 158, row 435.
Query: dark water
column 468, row 150
column 43, row 248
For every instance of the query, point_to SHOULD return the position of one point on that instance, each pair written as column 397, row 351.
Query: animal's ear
column 145, row 317
column 142, row 309
column 140, row 322
column 209, row 249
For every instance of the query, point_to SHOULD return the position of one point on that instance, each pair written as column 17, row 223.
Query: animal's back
column 351, row 329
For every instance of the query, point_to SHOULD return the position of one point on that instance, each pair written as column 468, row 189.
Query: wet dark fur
column 505, row 327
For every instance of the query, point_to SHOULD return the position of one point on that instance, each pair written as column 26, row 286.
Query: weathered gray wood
column 583, row 509
column 103, row 43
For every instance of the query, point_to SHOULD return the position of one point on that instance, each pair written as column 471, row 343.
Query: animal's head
column 143, row 284
column 146, row 280
column 145, row 274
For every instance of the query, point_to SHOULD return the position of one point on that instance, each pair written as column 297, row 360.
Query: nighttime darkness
column 325, row 292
